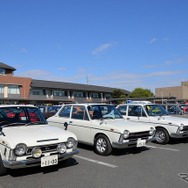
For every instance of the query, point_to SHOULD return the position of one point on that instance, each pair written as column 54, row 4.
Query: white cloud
column 118, row 79
column 168, row 62
column 130, row 81
column 23, row 50
column 36, row 74
column 152, row 40
column 62, row 68
column 102, row 48
column 177, row 61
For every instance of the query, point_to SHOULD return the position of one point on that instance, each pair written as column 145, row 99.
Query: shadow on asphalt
column 129, row 151
column 174, row 141
column 135, row 151
column 116, row 152
column 34, row 170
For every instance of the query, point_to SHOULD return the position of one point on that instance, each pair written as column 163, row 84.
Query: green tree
column 140, row 93
column 118, row 93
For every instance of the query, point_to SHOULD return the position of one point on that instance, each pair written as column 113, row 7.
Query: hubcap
column 160, row 136
column 101, row 145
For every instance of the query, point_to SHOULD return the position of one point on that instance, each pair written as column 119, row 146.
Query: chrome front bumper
column 130, row 143
column 35, row 162
column 179, row 135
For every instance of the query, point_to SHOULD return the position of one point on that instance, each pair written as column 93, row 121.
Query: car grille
column 137, row 135
column 46, row 148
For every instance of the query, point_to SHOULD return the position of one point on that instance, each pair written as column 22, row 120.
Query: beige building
column 179, row 92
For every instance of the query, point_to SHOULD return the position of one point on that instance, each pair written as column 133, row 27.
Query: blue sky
column 116, row 43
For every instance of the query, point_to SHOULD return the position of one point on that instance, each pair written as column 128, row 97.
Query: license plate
column 141, row 143
column 49, row 160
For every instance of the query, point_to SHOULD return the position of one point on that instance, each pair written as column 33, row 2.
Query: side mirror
column 65, row 125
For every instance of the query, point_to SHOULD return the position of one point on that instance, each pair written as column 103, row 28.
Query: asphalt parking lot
column 154, row 166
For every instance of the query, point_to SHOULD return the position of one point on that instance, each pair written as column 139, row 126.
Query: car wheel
column 3, row 170
column 102, row 145
column 161, row 136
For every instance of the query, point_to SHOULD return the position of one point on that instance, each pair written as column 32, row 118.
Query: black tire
column 161, row 136
column 3, row 170
column 102, row 145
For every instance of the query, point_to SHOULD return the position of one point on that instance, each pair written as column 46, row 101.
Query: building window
column 108, row 96
column 37, row 92
column 2, row 71
column 59, row 93
column 95, row 95
column 1, row 88
column 13, row 89
column 79, row 94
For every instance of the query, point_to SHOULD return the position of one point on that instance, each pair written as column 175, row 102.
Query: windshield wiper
column 10, row 124
column 107, row 117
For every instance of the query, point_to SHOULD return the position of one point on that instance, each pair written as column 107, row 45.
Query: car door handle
column 128, row 118
column 70, row 122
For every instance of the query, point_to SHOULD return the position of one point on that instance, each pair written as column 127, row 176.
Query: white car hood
column 34, row 135
column 170, row 120
column 122, row 124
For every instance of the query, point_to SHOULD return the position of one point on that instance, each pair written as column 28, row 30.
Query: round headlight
column 61, row 148
column 20, row 149
column 125, row 134
column 152, row 130
column 181, row 127
column 36, row 152
column 71, row 142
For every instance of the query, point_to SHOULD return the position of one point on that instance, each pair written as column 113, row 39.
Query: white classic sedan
column 103, row 126
column 27, row 140
column 167, row 126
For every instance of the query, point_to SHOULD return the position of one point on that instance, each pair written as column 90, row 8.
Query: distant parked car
column 49, row 111
column 173, row 109
column 167, row 126
column 27, row 140
column 102, row 126
column 184, row 108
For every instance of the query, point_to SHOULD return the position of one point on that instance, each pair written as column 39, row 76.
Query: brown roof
column 71, row 86
column 4, row 66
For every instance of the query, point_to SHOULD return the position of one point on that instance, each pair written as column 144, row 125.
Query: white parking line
column 95, row 161
column 168, row 149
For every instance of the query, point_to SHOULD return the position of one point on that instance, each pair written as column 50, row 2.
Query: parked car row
column 28, row 139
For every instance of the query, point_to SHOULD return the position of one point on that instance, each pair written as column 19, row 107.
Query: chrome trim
column 35, row 162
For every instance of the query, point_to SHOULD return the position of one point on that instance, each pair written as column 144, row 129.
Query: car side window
column 34, row 116
column 65, row 112
column 79, row 112
column 136, row 111
column 122, row 109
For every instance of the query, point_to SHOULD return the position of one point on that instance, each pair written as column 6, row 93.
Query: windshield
column 16, row 115
column 53, row 109
column 155, row 110
column 103, row 112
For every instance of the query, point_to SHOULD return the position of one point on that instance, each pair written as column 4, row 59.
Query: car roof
column 135, row 104
column 16, row 105
column 87, row 104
